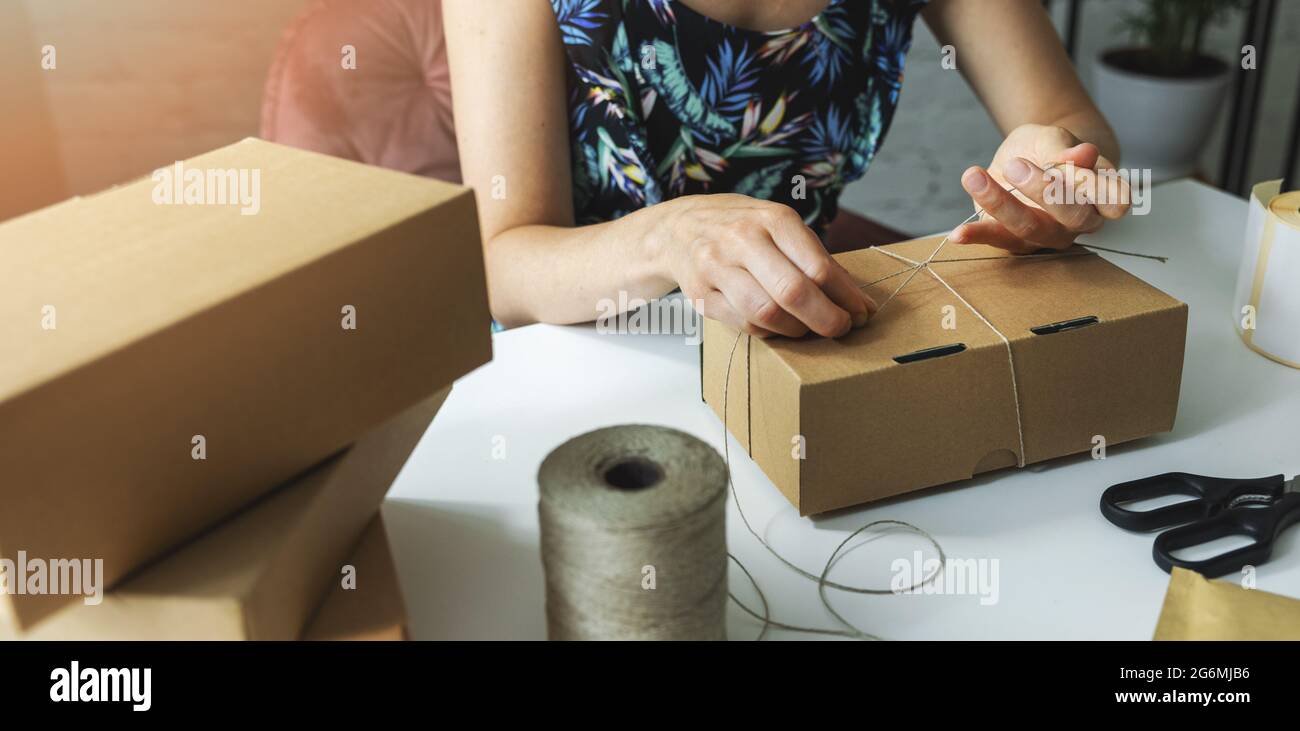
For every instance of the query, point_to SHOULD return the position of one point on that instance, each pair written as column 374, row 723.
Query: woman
column 645, row 145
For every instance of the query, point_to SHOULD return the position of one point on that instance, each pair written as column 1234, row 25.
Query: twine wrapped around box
column 822, row 580
column 1058, row 357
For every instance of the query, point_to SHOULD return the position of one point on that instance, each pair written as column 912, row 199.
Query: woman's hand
column 756, row 267
column 1019, row 215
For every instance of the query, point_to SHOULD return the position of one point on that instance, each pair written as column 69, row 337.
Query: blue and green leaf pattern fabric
column 666, row 102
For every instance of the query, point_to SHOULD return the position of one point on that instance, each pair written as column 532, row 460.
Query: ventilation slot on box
column 929, row 353
column 1060, row 327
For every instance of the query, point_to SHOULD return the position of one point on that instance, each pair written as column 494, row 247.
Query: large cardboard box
column 260, row 575
column 165, row 364
column 924, row 394
column 373, row 608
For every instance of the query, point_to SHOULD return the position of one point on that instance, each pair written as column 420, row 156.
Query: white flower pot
column 1162, row 122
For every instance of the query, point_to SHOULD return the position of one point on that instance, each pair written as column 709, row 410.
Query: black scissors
column 1258, row 509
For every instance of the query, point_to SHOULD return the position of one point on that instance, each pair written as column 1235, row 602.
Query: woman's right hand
column 756, row 267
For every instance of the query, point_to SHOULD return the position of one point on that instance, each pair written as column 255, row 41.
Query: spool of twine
column 633, row 536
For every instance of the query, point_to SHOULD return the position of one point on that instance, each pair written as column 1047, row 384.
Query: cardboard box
column 1196, row 608
column 873, row 414
column 373, row 609
column 260, row 575
column 131, row 329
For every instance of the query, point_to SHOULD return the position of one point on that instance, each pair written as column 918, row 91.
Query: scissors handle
column 1211, row 494
column 1263, row 524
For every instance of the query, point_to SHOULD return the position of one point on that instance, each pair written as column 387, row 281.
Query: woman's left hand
column 1019, row 213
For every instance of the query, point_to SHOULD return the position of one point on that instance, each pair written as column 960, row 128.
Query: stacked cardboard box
column 261, row 574
column 372, row 608
column 179, row 347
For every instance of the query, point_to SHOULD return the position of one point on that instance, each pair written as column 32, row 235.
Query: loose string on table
column 850, row 630
column 823, row 582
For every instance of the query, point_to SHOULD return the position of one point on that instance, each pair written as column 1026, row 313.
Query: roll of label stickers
column 1268, row 283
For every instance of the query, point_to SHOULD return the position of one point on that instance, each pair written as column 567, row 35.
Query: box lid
column 1049, row 289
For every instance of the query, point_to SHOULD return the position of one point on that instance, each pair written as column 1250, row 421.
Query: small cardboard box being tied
column 925, row 395
column 167, row 359
column 261, row 574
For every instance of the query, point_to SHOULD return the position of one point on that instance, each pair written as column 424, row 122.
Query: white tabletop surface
column 463, row 519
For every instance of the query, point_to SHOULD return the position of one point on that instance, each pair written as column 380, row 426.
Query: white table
column 464, row 524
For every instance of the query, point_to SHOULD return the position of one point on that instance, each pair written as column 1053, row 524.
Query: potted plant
column 1163, row 94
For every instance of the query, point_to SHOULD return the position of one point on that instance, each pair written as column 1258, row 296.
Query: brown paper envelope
column 1199, row 609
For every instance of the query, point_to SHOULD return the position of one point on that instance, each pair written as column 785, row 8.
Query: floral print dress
column 666, row 102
